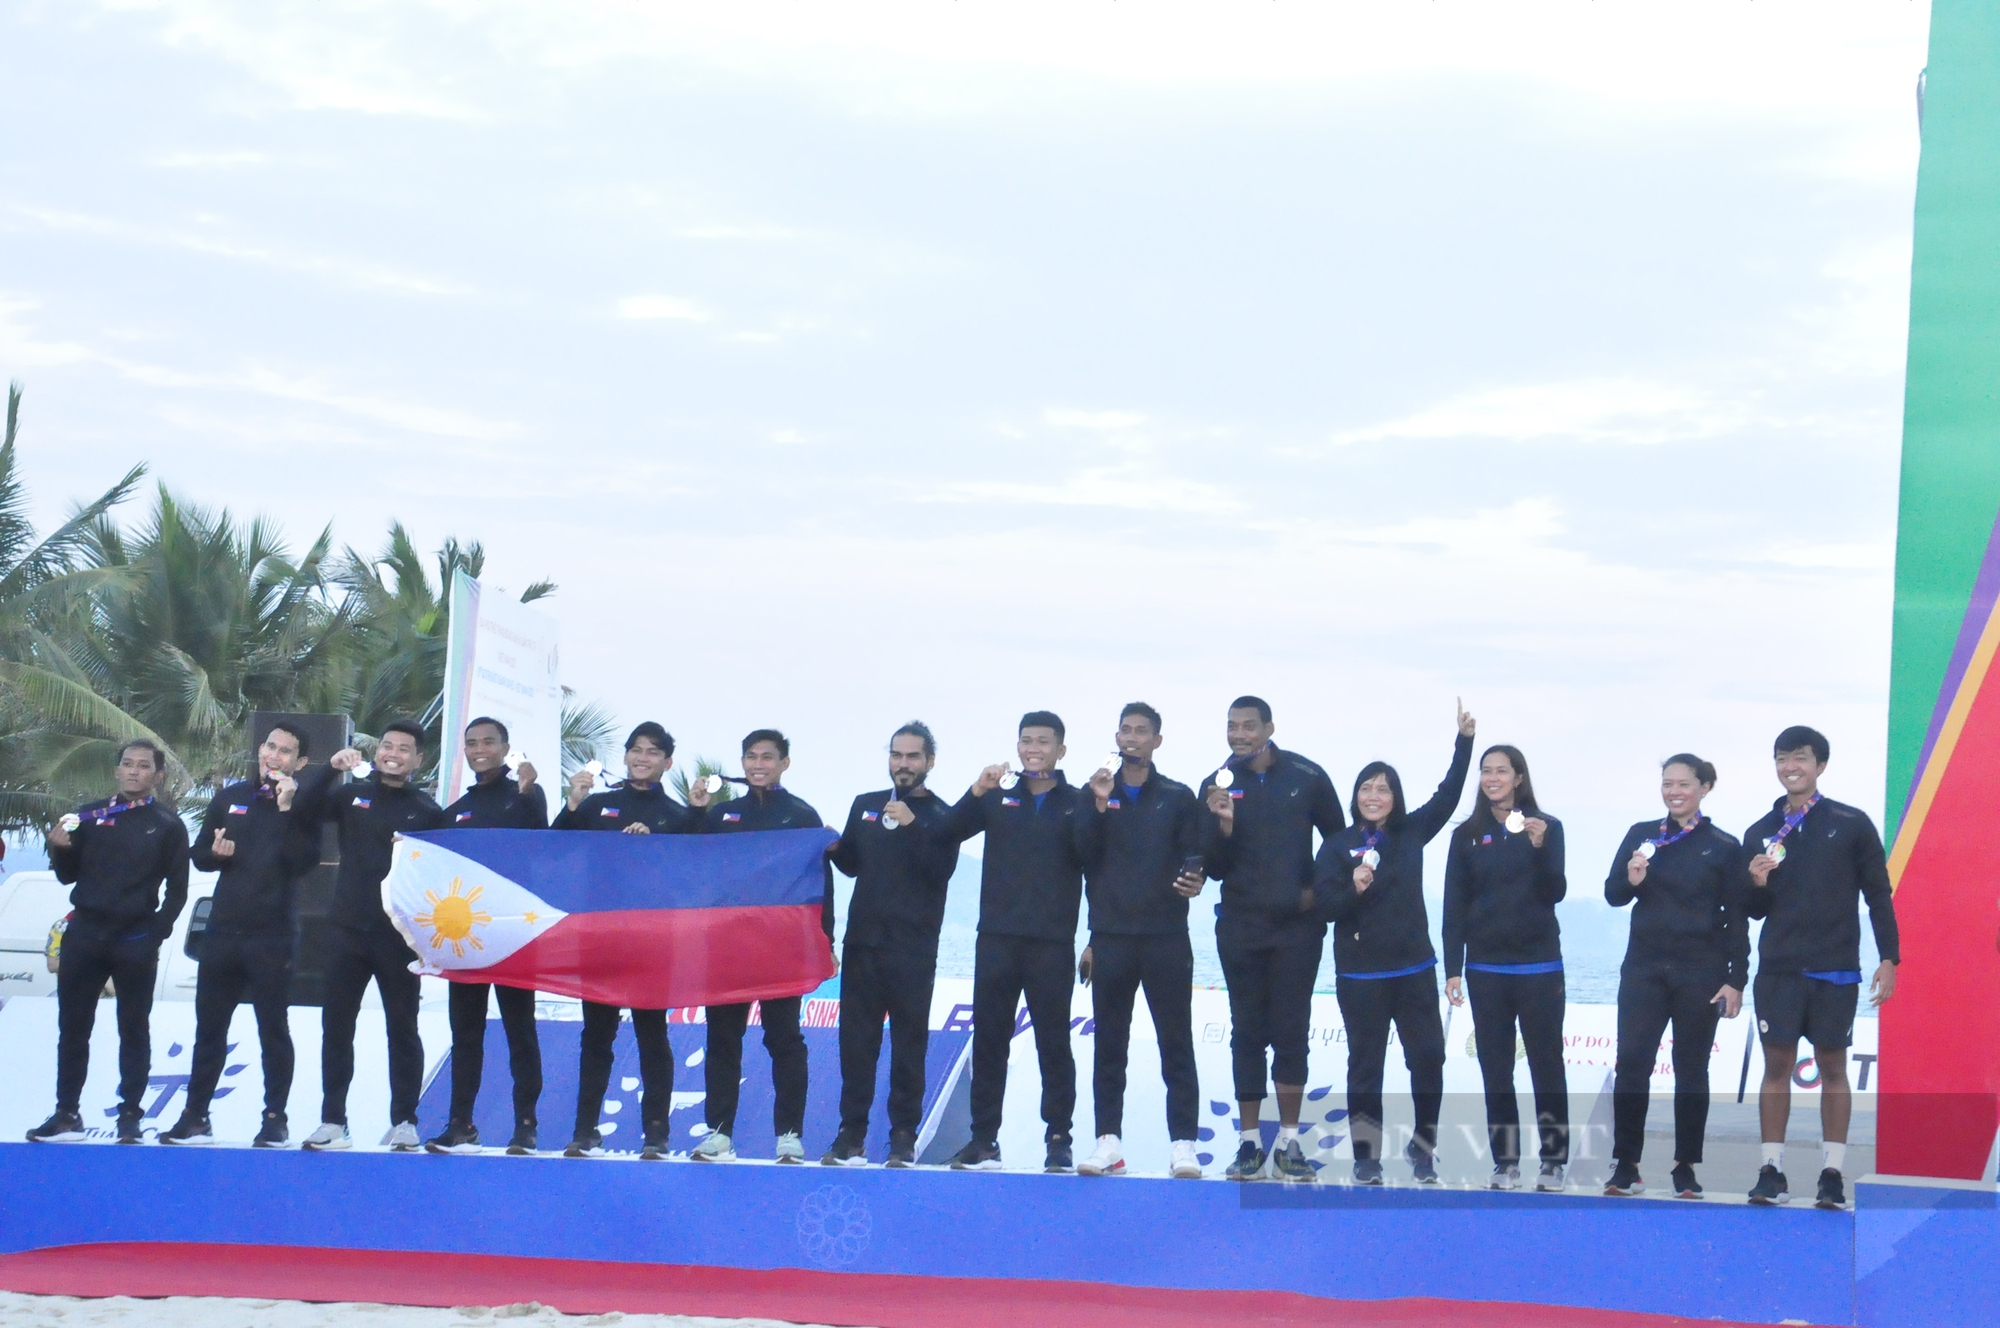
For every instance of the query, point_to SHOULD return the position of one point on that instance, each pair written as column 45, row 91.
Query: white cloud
column 1124, row 487
column 640, row 307
column 1608, row 410
column 1106, row 420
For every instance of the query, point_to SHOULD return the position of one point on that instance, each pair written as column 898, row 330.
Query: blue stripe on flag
column 600, row 873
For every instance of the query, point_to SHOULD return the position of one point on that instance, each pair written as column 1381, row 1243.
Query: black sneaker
column 1624, row 1182
column 979, row 1155
column 902, row 1149
column 655, row 1149
column 1424, row 1169
column 1249, row 1163
column 588, row 1144
column 1769, row 1191
column 1367, row 1171
column 526, row 1136
column 1685, row 1185
column 1832, row 1193
column 65, row 1127
column 1059, row 1160
column 131, row 1126
column 189, row 1130
column 1288, row 1162
column 272, row 1134
column 847, row 1151
column 457, row 1137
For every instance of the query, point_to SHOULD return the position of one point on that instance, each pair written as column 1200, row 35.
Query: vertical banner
column 501, row 660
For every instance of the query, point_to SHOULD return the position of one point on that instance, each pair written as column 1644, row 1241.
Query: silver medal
column 1516, row 822
column 1115, row 762
column 1009, row 780
column 1224, row 777
column 887, row 824
column 713, row 783
column 70, row 823
column 362, row 770
column 1370, row 859
column 1777, row 852
column 1647, row 848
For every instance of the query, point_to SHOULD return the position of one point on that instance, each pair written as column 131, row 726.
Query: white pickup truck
column 31, row 902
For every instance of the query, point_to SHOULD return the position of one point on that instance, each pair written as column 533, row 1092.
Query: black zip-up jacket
column 253, row 893
column 499, row 804
column 119, row 865
column 1387, row 927
column 899, row 875
column 779, row 809
column 368, row 815
column 1133, row 850
column 629, row 804
column 1267, row 860
column 1811, row 899
column 1500, row 895
column 1031, row 883
column 1690, row 909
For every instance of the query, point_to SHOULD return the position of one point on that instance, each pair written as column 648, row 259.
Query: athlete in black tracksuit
column 1500, row 897
column 612, row 811
column 1385, row 969
column 496, row 801
column 1689, row 939
column 129, row 863
column 247, row 947
column 888, row 961
column 1268, row 931
column 362, row 944
column 1030, row 890
column 1136, row 843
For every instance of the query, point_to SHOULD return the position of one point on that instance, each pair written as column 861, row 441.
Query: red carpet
column 876, row 1300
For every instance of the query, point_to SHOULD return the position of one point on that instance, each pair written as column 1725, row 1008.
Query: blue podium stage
column 594, row 1231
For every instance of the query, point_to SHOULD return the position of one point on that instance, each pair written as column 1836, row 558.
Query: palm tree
column 58, row 731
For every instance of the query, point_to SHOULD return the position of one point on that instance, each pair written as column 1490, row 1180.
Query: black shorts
column 1791, row 1006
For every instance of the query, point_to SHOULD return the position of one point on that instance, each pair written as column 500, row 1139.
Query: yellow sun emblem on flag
column 453, row 917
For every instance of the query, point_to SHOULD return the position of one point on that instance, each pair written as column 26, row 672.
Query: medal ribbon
column 103, row 814
column 1374, row 838
column 1663, row 838
column 1793, row 820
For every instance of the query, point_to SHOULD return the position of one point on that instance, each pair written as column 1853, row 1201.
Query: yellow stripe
column 1954, row 724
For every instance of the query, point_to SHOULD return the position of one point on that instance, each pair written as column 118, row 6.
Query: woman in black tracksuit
column 1502, row 881
column 1369, row 880
column 1686, row 962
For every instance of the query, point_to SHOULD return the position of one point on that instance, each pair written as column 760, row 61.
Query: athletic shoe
column 272, row 1134
column 1624, row 1182
column 327, row 1138
column 524, row 1140
column 1367, row 1171
column 403, row 1138
column 715, row 1148
column 1832, row 1194
column 1685, row 1185
column 655, row 1149
column 458, row 1137
column 847, row 1151
column 1423, row 1166
column 1249, row 1163
column 189, row 1130
column 791, row 1149
column 587, row 1144
column 1769, row 1191
column 1058, row 1162
column 1185, row 1165
column 1108, row 1160
column 979, row 1155
column 1288, row 1162
column 131, row 1126
column 65, row 1127
column 1505, row 1178
column 902, row 1149
column 1554, row 1178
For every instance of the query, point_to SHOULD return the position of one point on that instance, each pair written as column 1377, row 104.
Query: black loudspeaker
column 313, row 896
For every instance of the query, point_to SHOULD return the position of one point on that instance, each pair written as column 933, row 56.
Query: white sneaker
column 791, row 1149
column 1108, row 1160
column 404, row 1138
column 1185, row 1167
column 1505, row 1178
column 1554, row 1178
column 327, row 1138
column 715, row 1148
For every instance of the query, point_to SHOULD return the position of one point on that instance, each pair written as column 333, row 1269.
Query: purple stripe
column 1985, row 591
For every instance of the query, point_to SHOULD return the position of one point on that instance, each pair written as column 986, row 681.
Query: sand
column 17, row 1311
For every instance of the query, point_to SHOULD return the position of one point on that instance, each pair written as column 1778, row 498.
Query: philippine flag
column 647, row 922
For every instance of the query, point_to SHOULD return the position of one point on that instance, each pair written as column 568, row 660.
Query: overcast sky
column 847, row 363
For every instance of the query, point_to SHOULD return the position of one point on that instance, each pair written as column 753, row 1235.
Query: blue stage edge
column 1911, row 1254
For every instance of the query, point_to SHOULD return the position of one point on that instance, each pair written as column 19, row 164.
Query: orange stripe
column 1954, row 724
